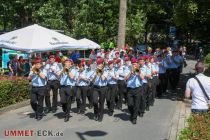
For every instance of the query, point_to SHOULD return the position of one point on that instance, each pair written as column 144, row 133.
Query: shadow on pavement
column 122, row 116
column 94, row 133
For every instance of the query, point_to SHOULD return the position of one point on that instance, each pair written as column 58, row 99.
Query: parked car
column 141, row 48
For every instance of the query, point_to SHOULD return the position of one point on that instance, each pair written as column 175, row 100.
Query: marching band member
column 121, row 84
column 112, row 87
column 149, row 78
column 100, row 90
column 155, row 70
column 53, row 74
column 162, row 86
column 83, row 82
column 38, row 77
column 134, row 86
column 67, row 82
column 90, row 73
column 143, row 69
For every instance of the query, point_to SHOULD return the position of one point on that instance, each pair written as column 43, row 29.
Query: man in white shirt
column 199, row 100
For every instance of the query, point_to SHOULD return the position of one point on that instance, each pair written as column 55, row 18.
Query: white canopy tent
column 35, row 38
column 90, row 44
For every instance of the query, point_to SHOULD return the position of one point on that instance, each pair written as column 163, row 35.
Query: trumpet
column 99, row 71
column 136, row 70
column 35, row 70
column 66, row 70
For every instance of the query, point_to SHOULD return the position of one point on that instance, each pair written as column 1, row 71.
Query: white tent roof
column 36, row 38
column 90, row 43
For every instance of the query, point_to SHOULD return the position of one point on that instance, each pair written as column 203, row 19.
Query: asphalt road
column 155, row 125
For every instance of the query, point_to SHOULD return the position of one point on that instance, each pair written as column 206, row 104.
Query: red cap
column 127, row 59
column 106, row 53
column 142, row 58
column 52, row 56
column 100, row 61
column 69, row 60
column 117, row 53
column 38, row 60
column 89, row 62
column 134, row 60
column 118, row 61
column 98, row 57
column 110, row 62
column 82, row 60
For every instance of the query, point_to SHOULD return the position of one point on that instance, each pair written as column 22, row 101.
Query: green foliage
column 13, row 90
column 198, row 129
column 207, row 63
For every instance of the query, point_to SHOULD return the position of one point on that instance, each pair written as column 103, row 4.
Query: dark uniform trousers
column 142, row 104
column 81, row 96
column 154, row 88
column 121, row 93
column 37, row 99
column 54, row 85
column 172, row 77
column 111, row 95
column 66, row 93
column 90, row 95
column 134, row 97
column 163, row 83
column 99, row 95
column 149, row 93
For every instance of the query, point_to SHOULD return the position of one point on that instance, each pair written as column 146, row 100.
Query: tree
column 122, row 24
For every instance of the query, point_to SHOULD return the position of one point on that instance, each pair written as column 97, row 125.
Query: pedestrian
column 199, row 88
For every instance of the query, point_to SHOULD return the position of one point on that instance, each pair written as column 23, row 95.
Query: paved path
column 155, row 125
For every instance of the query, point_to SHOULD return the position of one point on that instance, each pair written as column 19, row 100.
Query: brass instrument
column 35, row 70
column 66, row 70
column 136, row 70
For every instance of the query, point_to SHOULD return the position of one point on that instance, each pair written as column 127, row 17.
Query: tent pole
column 84, row 53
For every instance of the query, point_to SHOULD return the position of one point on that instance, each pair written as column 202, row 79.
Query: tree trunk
column 122, row 24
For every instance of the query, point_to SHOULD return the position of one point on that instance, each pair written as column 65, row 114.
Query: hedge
column 207, row 64
column 198, row 128
column 13, row 90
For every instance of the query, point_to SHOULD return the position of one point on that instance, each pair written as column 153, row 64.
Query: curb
column 14, row 106
column 178, row 122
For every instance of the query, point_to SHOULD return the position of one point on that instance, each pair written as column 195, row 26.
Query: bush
column 207, row 64
column 198, row 129
column 13, row 90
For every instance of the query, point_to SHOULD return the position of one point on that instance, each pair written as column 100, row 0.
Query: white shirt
column 199, row 100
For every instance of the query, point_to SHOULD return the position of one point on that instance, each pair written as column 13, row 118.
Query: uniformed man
column 83, row 82
column 112, row 87
column 38, row 77
column 149, row 80
column 155, row 70
column 171, row 71
column 134, row 86
column 143, row 70
column 67, row 82
column 53, row 74
column 90, row 73
column 162, row 86
column 121, row 84
column 100, row 90
column 178, row 60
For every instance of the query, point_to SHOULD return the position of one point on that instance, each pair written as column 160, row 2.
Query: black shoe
column 66, row 119
column 100, row 118
column 95, row 117
column 90, row 106
column 47, row 110
column 134, row 121
column 82, row 112
column 147, row 108
column 39, row 118
column 110, row 113
column 54, row 110
column 141, row 114
column 78, row 111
